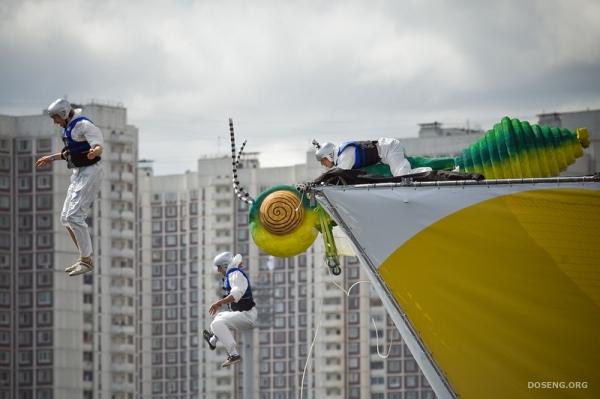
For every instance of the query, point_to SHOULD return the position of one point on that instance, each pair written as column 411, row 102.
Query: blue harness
column 365, row 152
column 76, row 151
column 246, row 302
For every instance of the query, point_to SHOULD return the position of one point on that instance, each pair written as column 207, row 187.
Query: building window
column 25, row 377
column 171, row 211
column 88, row 298
column 410, row 381
column 44, row 337
column 171, row 226
column 44, row 318
column 394, row 366
column 5, row 338
column 25, row 202
column 25, row 319
column 4, row 161
column 44, row 356
column 410, row 365
column 25, row 261
column 43, row 202
column 24, row 183
column 4, row 202
column 44, row 241
column 44, row 145
column 88, row 375
column 44, row 260
column 171, row 357
column 156, row 241
column 157, row 387
column 44, row 298
column 25, row 222
column 171, row 255
column 5, row 221
column 25, row 358
column 43, row 182
column 171, row 240
column 25, row 299
column 25, row 241
column 43, row 221
column 25, row 338
column 44, row 376
column 394, row 382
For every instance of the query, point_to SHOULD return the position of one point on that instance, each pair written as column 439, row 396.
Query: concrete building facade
column 60, row 336
column 132, row 328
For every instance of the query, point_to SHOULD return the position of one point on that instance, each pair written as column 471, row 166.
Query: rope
column 319, row 326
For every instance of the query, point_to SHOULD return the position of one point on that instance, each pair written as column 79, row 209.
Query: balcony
column 123, row 348
column 121, row 157
column 122, row 290
column 223, row 196
column 126, row 234
column 123, row 367
column 121, row 386
column 221, row 240
column 122, row 272
column 128, row 330
column 121, row 195
column 127, row 177
column 123, row 309
column 122, row 252
column 222, row 225
column 122, row 215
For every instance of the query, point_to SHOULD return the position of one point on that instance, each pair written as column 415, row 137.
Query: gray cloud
column 290, row 71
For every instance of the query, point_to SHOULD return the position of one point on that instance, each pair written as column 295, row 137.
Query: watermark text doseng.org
column 557, row 384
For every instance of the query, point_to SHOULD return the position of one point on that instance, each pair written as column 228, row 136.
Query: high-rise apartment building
column 60, row 336
column 132, row 328
column 296, row 298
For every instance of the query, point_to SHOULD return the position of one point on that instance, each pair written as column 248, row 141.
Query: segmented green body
column 515, row 149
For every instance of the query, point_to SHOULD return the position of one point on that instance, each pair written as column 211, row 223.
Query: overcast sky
column 290, row 71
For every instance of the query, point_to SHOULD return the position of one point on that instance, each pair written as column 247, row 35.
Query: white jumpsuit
column 390, row 151
column 224, row 321
column 84, row 187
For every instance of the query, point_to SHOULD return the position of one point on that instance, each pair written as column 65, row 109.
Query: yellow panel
column 507, row 293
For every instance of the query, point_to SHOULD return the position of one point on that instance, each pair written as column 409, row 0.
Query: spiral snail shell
column 281, row 212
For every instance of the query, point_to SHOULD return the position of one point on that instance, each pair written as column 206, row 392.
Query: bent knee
column 74, row 219
column 216, row 323
column 63, row 220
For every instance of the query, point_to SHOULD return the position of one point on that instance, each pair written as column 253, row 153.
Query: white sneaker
column 231, row 359
column 69, row 269
column 81, row 268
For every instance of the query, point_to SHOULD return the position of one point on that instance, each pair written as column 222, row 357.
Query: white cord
column 312, row 344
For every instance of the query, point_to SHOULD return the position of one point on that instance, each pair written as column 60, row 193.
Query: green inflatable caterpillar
column 284, row 223
column 515, row 149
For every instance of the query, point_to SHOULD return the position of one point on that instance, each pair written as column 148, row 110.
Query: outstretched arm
column 46, row 159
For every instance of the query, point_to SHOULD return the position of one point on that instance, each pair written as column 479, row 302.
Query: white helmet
column 226, row 259
column 60, row 107
column 326, row 151
column 223, row 259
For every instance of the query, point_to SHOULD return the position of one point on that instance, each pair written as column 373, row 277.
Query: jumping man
column 238, row 295
column 82, row 150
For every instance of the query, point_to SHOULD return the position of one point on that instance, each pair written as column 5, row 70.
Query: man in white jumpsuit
column 238, row 295
column 358, row 154
column 83, row 147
